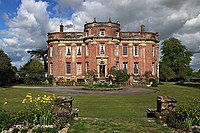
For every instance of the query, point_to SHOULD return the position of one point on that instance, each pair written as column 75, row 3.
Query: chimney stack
column 61, row 27
column 142, row 28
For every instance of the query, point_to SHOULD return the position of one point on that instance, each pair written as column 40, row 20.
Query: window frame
column 125, row 64
column 102, row 45
column 153, row 68
column 136, row 50
column 51, row 69
column 153, row 50
column 86, row 50
column 51, row 51
column 68, row 68
column 78, row 68
column 136, row 68
column 100, row 33
column 123, row 50
column 117, row 50
column 77, row 50
column 68, row 47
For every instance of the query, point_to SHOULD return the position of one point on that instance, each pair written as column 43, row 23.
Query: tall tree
column 166, row 73
column 177, row 57
column 7, row 72
column 41, row 53
column 32, row 72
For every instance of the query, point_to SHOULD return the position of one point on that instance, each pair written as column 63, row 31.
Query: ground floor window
column 153, row 70
column 135, row 67
column 117, row 65
column 78, row 68
column 125, row 67
column 68, row 67
column 86, row 66
column 51, row 69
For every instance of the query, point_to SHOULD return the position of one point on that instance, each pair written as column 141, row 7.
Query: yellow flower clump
column 41, row 99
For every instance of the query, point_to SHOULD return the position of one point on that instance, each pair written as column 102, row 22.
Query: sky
column 24, row 24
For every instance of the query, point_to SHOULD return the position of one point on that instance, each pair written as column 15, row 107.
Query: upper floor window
column 86, row 50
column 153, row 50
column 135, row 50
column 68, row 67
column 51, row 51
column 102, row 49
column 117, row 50
column 78, row 51
column 135, row 68
column 68, row 50
column 102, row 33
column 125, row 50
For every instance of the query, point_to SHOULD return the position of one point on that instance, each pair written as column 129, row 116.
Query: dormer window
column 102, row 33
column 86, row 34
column 117, row 34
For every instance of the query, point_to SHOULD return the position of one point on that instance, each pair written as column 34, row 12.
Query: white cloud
column 28, row 29
column 10, row 41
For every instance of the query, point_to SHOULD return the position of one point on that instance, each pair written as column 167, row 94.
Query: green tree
column 177, row 57
column 32, row 72
column 196, row 74
column 7, row 71
column 41, row 53
column 166, row 73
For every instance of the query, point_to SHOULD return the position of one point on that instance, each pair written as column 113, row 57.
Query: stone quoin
column 99, row 47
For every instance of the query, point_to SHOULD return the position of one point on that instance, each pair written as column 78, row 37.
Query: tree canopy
column 7, row 72
column 175, row 60
column 40, row 53
column 32, row 72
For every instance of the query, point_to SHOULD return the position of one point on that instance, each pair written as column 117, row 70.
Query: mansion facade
column 99, row 47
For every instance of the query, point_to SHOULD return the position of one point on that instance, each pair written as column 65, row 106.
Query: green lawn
column 110, row 107
column 131, row 106
column 117, row 127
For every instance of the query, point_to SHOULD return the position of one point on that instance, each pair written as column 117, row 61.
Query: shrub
column 154, row 81
column 38, row 110
column 5, row 120
column 185, row 117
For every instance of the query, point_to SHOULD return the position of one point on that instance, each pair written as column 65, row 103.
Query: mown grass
column 133, row 106
column 117, row 127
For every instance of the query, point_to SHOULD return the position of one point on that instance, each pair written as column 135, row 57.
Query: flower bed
column 40, row 114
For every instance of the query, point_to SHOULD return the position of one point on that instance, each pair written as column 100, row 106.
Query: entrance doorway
column 102, row 70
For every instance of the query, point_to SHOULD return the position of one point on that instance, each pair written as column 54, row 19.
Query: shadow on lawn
column 194, row 85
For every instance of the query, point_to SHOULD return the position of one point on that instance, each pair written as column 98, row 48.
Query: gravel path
column 78, row 90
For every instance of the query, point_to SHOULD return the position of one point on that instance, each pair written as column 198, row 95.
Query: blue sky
column 24, row 24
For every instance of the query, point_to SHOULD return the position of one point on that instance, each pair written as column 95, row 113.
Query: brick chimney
column 61, row 27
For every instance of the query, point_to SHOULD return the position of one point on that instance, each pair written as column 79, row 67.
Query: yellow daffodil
column 28, row 96
column 24, row 101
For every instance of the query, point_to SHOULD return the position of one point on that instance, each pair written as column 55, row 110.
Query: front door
column 102, row 70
